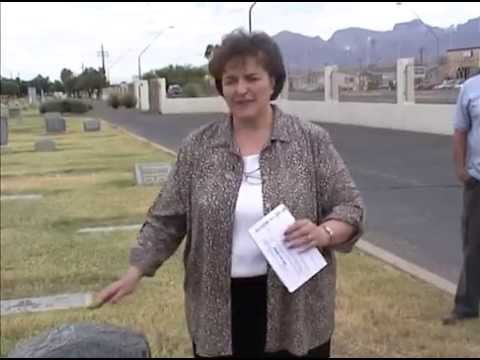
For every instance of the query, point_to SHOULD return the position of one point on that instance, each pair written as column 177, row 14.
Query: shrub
column 194, row 90
column 128, row 100
column 65, row 106
column 114, row 101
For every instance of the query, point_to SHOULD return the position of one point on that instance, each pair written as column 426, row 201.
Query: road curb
column 142, row 139
column 406, row 266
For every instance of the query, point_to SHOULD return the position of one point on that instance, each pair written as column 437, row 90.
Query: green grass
column 89, row 181
column 383, row 312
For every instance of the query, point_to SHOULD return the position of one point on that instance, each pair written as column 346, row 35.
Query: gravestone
column 32, row 95
column 14, row 112
column 3, row 110
column 84, row 340
column 45, row 145
column 54, row 122
column 3, row 131
column 91, row 125
column 151, row 173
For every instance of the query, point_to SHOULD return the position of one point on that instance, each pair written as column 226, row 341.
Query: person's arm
column 161, row 233
column 341, row 203
column 461, row 125
column 342, row 210
column 460, row 154
column 329, row 234
column 165, row 225
column 119, row 289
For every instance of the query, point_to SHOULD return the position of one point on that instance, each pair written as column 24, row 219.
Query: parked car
column 174, row 90
column 459, row 83
column 445, row 84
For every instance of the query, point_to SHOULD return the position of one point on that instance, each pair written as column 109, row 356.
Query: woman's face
column 247, row 87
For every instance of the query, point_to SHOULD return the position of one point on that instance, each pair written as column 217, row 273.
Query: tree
column 9, row 87
column 40, row 83
column 58, row 86
column 179, row 74
column 210, row 51
column 68, row 80
column 90, row 80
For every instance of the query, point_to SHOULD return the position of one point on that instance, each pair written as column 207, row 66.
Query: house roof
column 463, row 49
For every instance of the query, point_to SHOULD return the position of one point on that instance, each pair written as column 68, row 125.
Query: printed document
column 293, row 267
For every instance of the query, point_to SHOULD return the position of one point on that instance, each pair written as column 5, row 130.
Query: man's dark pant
column 468, row 290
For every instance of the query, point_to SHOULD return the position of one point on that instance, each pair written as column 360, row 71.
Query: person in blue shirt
column 466, row 151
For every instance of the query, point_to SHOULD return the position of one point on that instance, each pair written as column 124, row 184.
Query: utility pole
column 103, row 54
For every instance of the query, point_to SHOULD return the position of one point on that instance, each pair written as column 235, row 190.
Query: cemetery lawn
column 89, row 182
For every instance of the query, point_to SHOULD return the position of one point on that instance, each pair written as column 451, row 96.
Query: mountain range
column 354, row 47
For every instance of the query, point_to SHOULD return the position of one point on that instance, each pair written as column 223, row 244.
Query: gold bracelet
column 330, row 233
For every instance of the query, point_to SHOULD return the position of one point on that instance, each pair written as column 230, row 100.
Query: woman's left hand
column 306, row 235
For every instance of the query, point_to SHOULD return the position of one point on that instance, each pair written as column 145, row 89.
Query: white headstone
column 151, row 173
column 32, row 95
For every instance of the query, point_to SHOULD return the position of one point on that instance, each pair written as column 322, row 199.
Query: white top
column 247, row 259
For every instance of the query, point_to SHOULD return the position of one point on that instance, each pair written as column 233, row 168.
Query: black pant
column 249, row 322
column 468, row 291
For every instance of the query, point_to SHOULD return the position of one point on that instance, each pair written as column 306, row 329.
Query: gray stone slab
column 91, row 125
column 3, row 131
column 3, row 110
column 151, row 173
column 21, row 197
column 47, row 303
column 84, row 340
column 14, row 112
column 109, row 228
column 54, row 123
column 45, row 145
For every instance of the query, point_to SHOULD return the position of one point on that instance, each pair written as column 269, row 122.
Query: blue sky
column 45, row 37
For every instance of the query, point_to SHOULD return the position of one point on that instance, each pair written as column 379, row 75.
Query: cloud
column 51, row 36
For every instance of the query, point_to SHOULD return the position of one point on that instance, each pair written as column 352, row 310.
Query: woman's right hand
column 116, row 291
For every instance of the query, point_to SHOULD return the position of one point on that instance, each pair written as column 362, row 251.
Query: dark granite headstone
column 84, row 340
column 91, row 125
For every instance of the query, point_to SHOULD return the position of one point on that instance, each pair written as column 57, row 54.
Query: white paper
column 291, row 266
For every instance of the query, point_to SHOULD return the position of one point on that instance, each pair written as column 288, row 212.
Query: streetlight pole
column 146, row 48
column 429, row 28
column 250, row 17
column 139, row 64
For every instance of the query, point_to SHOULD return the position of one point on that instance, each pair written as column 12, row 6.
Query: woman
column 228, row 175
